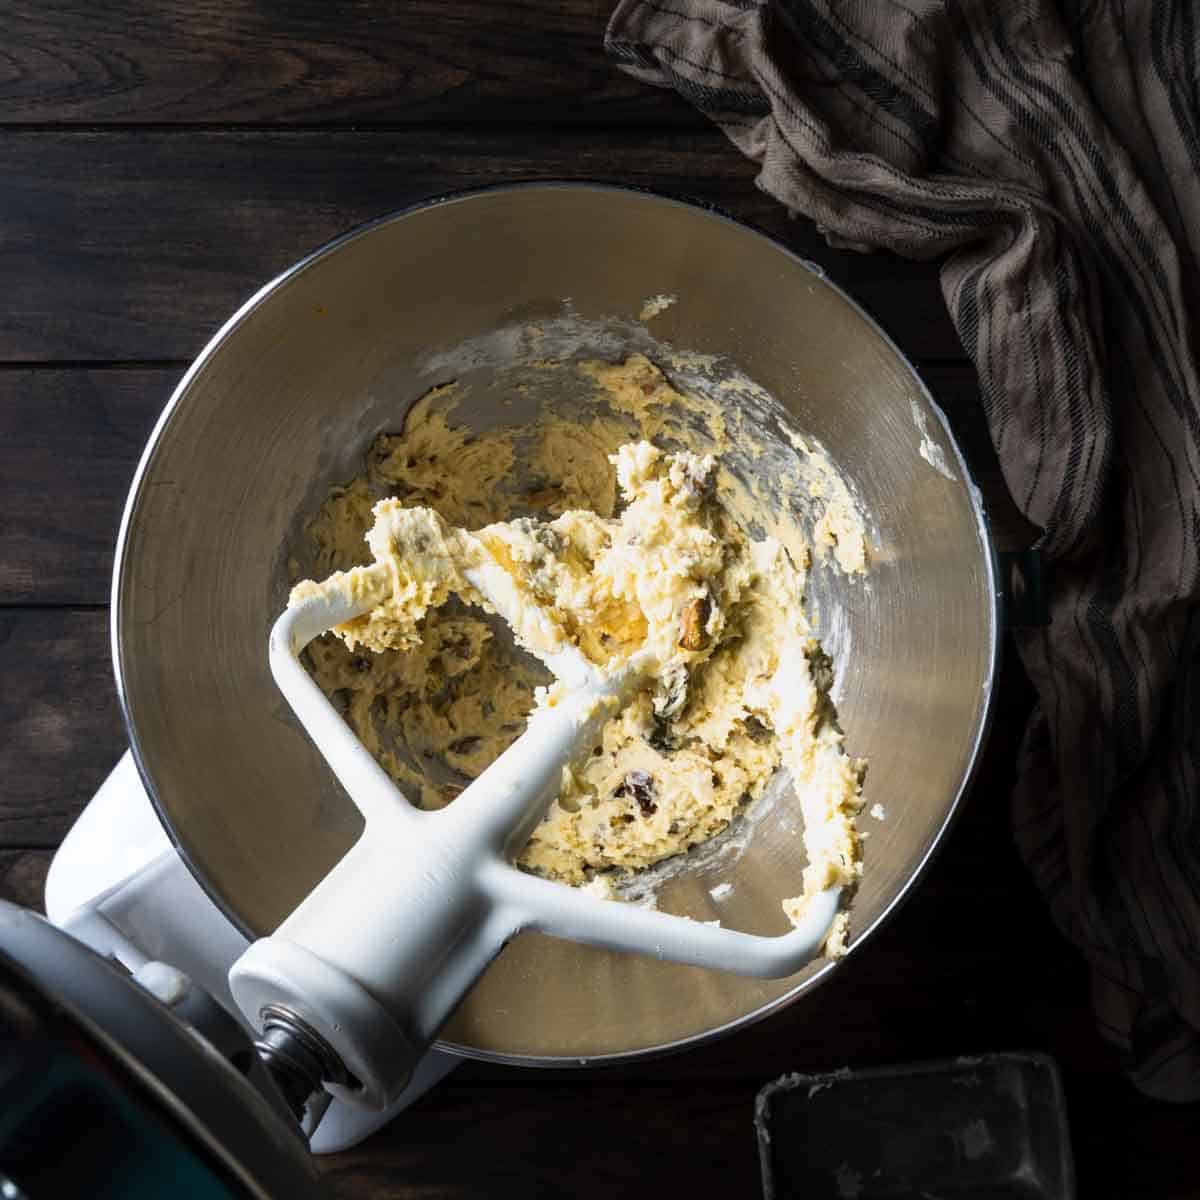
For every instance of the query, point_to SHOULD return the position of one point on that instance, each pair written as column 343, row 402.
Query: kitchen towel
column 1049, row 153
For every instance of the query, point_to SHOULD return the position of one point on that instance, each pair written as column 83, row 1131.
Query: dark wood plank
column 70, row 439
column 23, row 876
column 557, row 1141
column 195, row 61
column 69, row 442
column 136, row 246
column 62, row 726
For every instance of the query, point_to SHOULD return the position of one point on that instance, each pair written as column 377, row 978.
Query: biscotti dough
column 624, row 546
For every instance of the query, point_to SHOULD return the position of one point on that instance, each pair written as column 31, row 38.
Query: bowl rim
column 990, row 562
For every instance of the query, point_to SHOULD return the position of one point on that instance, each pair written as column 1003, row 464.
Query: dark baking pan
column 988, row 1128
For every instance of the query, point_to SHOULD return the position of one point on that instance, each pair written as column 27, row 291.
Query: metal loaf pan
column 987, row 1127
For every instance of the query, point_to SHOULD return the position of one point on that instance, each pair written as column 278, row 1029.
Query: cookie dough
column 436, row 691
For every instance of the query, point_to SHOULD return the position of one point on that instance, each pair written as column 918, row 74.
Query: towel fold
column 1049, row 154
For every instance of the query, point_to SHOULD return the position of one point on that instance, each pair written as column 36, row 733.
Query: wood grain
column 243, row 61
column 62, row 726
column 23, row 876
column 657, row 1141
column 69, row 442
column 137, row 246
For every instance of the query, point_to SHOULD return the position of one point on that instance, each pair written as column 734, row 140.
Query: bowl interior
column 284, row 402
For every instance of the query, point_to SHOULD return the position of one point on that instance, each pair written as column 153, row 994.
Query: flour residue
column 656, row 305
column 929, row 450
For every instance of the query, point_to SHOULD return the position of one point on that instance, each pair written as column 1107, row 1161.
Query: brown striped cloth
column 1049, row 154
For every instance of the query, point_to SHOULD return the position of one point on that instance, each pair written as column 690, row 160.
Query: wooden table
column 159, row 163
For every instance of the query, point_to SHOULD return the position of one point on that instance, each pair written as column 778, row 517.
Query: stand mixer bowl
column 280, row 407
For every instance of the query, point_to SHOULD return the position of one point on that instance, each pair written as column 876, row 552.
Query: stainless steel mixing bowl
column 282, row 403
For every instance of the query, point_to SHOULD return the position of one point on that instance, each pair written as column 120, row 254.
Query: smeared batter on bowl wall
column 744, row 685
